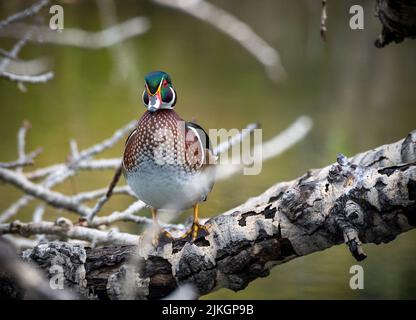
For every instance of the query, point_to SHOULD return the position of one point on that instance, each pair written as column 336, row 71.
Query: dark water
column 358, row 96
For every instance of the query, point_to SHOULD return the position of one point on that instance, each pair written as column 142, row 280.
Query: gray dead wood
column 398, row 20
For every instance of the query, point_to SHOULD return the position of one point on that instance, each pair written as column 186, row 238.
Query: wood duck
column 168, row 162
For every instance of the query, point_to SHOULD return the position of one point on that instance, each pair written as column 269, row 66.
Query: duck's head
column 158, row 91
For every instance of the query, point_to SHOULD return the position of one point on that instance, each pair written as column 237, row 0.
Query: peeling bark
column 370, row 197
column 398, row 19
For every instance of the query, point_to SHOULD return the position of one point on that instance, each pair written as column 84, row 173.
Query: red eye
column 165, row 83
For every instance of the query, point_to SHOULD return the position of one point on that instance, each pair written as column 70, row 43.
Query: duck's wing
column 201, row 156
column 129, row 149
column 197, row 139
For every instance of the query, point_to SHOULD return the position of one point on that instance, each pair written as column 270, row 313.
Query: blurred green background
column 358, row 96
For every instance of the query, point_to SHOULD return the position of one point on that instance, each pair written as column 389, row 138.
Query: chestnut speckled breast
column 166, row 161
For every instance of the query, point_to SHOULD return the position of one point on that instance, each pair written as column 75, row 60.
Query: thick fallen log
column 369, row 198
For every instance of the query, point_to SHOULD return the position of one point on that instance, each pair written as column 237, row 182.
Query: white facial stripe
column 173, row 94
column 168, row 105
column 143, row 97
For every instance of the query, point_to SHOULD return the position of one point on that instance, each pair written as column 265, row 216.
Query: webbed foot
column 195, row 232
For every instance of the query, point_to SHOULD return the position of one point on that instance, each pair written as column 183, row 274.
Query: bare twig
column 15, row 50
column 123, row 55
column 92, row 195
column 114, row 182
column 126, row 215
column 26, row 78
column 6, row 54
column 58, row 173
column 38, row 217
column 235, row 29
column 43, row 172
column 22, row 78
column 28, row 160
column 226, row 145
column 103, row 199
column 323, row 20
column 21, row 143
column 30, row 67
column 38, row 213
column 53, row 198
column 23, row 159
column 65, row 229
column 107, row 143
column 270, row 149
column 31, row 11
column 81, row 38
column 19, row 243
column 100, row 164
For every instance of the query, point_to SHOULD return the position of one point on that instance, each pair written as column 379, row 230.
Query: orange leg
column 159, row 234
column 197, row 230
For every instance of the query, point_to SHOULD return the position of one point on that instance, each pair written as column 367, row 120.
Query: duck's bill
column 154, row 103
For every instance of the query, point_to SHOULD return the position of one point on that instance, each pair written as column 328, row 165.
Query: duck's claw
column 163, row 237
column 159, row 237
column 195, row 232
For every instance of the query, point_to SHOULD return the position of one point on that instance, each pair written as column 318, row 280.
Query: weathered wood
column 368, row 198
column 398, row 19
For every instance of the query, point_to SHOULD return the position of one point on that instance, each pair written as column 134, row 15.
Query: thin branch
column 21, row 140
column 53, row 198
column 107, row 143
column 30, row 67
column 81, row 38
column 26, row 78
column 23, row 159
column 270, row 149
column 21, row 143
column 126, row 215
column 123, row 55
column 43, row 172
column 74, row 203
column 28, row 160
column 73, row 146
column 58, row 173
column 15, row 50
column 323, row 20
column 235, row 29
column 92, row 195
column 100, row 164
column 100, row 203
column 20, row 243
column 38, row 217
column 22, row 78
column 6, row 54
column 226, row 145
column 31, row 11
column 65, row 229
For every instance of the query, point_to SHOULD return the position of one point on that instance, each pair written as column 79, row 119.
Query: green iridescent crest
column 153, row 80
